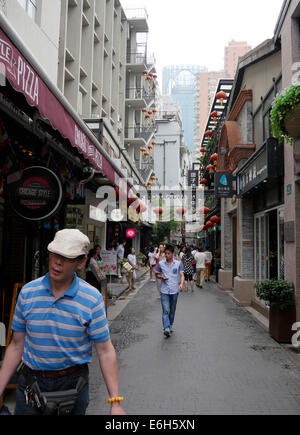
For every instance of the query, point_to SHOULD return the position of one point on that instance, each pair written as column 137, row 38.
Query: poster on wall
column 110, row 260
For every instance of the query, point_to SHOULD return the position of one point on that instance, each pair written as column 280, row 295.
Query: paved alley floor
column 218, row 361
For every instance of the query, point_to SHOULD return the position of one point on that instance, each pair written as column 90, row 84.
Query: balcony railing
column 140, row 94
column 136, row 13
column 138, row 132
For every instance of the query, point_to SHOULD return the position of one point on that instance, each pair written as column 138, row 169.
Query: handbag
column 127, row 267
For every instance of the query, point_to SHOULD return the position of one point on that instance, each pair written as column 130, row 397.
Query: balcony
column 138, row 98
column 138, row 19
column 139, row 136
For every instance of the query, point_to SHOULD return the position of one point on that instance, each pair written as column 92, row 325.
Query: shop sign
column 130, row 233
column 193, row 183
column 38, row 195
column 266, row 163
column 224, row 185
column 109, row 258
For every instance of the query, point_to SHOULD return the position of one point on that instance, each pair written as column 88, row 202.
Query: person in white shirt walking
column 152, row 263
column 208, row 261
column 200, row 258
column 132, row 275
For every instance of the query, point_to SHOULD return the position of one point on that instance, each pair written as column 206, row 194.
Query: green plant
column 285, row 104
column 278, row 294
column 141, row 256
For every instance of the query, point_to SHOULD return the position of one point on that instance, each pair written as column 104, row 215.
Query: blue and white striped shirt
column 59, row 332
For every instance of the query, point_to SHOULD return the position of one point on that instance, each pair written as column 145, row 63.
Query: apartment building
column 141, row 94
column 232, row 53
column 205, row 89
column 37, row 23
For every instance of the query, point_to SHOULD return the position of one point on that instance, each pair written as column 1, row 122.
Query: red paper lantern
column 204, row 210
column 215, row 220
column 158, row 210
column 208, row 133
column 214, row 158
column 154, row 143
column 203, row 181
column 209, row 224
column 143, row 150
column 210, row 168
column 150, row 147
column 202, row 150
column 214, row 115
column 153, row 178
column 181, row 211
column 221, row 96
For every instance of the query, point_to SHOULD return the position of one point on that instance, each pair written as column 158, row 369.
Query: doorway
column 234, row 248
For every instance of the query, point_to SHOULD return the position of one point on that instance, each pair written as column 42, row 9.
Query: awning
column 25, row 78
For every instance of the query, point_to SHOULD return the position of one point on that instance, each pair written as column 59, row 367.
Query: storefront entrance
column 269, row 245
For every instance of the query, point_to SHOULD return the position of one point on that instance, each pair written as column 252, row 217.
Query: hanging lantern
column 145, row 73
column 154, row 143
column 203, row 182
column 150, row 147
column 146, row 155
column 143, row 150
column 181, row 211
column 208, row 133
column 214, row 159
column 149, row 78
column 155, row 76
column 210, row 169
column 215, row 220
column 209, row 224
column 221, row 96
column 147, row 117
column 154, row 111
column 158, row 210
column 214, row 116
column 205, row 211
column 144, row 111
column 150, row 113
column 202, row 150
column 153, row 178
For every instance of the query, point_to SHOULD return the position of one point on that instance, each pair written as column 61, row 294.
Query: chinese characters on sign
column 193, row 182
column 224, row 185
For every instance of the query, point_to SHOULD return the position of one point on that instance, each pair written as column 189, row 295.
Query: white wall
column 41, row 37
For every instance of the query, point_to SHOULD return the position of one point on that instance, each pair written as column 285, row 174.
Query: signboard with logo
column 193, row 183
column 109, row 258
column 130, row 233
column 38, row 195
column 266, row 163
column 224, row 185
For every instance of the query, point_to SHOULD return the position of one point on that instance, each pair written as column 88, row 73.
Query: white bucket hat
column 70, row 244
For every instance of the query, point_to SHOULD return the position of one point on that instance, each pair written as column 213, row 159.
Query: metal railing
column 140, row 94
column 136, row 13
column 140, row 132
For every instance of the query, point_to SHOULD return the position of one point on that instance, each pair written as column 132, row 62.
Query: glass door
column 261, row 247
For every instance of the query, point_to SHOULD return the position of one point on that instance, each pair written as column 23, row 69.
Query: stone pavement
column 220, row 360
column 116, row 286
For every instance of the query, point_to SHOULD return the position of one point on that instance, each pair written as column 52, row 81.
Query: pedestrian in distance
column 94, row 275
column 187, row 261
column 200, row 258
column 120, row 256
column 209, row 258
column 160, row 256
column 57, row 319
column 194, row 252
column 132, row 274
column 169, row 271
column 152, row 263
column 182, row 252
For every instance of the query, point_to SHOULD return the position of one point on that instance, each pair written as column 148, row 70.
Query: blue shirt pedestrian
column 172, row 272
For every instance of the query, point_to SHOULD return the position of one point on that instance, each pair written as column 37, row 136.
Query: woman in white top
column 152, row 263
column 132, row 275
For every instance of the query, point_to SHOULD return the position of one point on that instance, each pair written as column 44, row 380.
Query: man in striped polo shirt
column 57, row 319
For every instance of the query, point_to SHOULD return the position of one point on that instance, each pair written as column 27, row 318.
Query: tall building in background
column 178, row 82
column 233, row 52
column 206, row 83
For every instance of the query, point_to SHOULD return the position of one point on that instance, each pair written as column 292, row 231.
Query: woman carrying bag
column 94, row 275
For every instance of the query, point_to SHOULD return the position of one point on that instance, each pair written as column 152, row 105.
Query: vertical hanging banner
column 193, row 183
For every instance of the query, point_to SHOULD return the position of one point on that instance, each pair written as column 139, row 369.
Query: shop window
column 30, row 7
column 258, row 128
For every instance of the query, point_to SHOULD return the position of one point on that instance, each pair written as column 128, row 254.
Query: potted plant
column 280, row 297
column 140, row 258
column 285, row 115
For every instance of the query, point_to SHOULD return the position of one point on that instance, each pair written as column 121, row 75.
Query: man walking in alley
column 200, row 258
column 57, row 319
column 169, row 271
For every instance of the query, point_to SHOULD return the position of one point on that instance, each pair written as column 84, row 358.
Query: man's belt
column 57, row 373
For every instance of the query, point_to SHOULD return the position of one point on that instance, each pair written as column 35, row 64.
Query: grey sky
column 196, row 31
